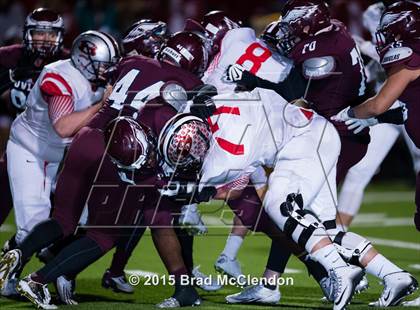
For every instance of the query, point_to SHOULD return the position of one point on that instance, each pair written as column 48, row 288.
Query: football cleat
column 117, row 284
column 396, row 286
column 36, row 293
column 8, row 264
column 184, row 296
column 255, row 294
column 412, row 303
column 328, row 289
column 65, row 289
column 344, row 281
column 190, row 220
column 10, row 288
column 211, row 287
column 230, row 267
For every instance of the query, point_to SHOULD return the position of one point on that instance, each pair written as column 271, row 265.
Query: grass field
column 386, row 218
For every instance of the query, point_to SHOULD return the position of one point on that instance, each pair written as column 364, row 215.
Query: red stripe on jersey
column 227, row 110
column 54, row 91
column 308, row 114
column 235, row 149
column 59, row 106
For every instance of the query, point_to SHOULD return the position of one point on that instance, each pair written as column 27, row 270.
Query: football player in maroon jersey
column 398, row 40
column 152, row 99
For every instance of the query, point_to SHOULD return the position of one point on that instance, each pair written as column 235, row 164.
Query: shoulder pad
column 175, row 95
column 396, row 54
column 318, row 67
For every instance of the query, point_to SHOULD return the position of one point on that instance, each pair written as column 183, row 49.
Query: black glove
column 239, row 75
column 188, row 191
column 203, row 105
column 396, row 116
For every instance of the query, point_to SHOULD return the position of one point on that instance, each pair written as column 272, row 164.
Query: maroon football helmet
column 145, row 37
column 186, row 50
column 130, row 145
column 184, row 142
column 301, row 19
column 216, row 25
column 399, row 22
column 43, row 32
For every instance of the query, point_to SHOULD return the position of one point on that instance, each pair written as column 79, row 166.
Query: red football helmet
column 301, row 19
column 130, row 145
column 186, row 50
column 43, row 32
column 400, row 21
column 184, row 142
column 145, row 37
column 216, row 25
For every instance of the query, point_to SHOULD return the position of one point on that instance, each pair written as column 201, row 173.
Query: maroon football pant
column 353, row 149
column 6, row 201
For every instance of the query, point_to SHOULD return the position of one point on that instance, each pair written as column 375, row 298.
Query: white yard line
column 140, row 273
column 394, row 243
column 388, row 197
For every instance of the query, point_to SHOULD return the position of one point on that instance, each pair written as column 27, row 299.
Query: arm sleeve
column 59, row 106
column 392, row 116
column 291, row 88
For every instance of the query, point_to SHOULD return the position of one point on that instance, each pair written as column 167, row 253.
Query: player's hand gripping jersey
column 33, row 129
column 249, row 130
column 241, row 46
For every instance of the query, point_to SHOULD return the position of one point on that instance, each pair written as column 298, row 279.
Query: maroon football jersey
column 346, row 85
column 407, row 54
column 19, row 71
column 136, row 92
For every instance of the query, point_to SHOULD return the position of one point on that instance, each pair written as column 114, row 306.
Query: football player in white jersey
column 64, row 98
column 383, row 136
column 302, row 148
column 232, row 44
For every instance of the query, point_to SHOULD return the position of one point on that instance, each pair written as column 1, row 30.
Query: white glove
column 357, row 125
column 341, row 116
column 233, row 73
column 190, row 220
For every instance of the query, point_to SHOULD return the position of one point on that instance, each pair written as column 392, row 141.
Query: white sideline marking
column 395, row 243
column 7, row 228
column 141, row 273
column 415, row 266
column 290, row 270
column 388, row 197
column 380, row 219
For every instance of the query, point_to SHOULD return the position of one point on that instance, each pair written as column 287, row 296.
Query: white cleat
column 65, row 289
column 412, row 303
column 230, row 267
column 396, row 286
column 8, row 264
column 117, row 284
column 204, row 281
column 10, row 288
column 190, row 220
column 344, row 279
column 362, row 286
column 255, row 294
column 36, row 293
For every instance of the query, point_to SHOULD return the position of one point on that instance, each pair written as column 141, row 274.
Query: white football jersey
column 241, row 46
column 249, row 130
column 33, row 128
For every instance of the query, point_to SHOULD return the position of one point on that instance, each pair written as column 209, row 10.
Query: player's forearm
column 68, row 125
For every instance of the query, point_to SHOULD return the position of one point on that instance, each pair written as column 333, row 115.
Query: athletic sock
column 315, row 269
column 278, row 258
column 233, row 244
column 328, row 257
column 380, row 266
column 71, row 260
column 41, row 236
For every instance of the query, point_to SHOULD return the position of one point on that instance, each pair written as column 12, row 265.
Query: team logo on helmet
column 391, row 18
column 88, row 47
column 299, row 12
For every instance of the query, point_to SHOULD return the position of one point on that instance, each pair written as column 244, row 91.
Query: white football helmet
column 94, row 52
